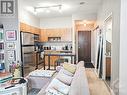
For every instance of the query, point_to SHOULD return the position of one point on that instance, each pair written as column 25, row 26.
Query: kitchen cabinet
column 32, row 29
column 43, row 36
column 28, row 28
column 22, row 26
column 64, row 33
column 37, row 31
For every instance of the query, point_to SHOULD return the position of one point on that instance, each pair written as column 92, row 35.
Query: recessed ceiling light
column 84, row 24
column 82, row 3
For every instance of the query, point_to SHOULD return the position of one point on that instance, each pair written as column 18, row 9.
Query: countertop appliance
column 27, row 52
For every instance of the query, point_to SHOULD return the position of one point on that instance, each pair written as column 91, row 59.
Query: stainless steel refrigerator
column 27, row 52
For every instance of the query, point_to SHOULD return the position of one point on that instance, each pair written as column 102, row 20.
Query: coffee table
column 39, row 82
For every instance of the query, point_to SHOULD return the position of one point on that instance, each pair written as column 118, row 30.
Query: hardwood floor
column 96, row 85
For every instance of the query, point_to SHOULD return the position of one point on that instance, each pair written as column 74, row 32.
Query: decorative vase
column 17, row 73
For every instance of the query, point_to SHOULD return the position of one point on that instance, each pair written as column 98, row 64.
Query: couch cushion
column 80, row 64
column 64, row 78
column 66, row 72
column 58, row 85
column 52, row 91
column 42, row 73
column 69, row 67
column 79, row 84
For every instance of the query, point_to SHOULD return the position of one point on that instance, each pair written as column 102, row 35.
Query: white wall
column 109, row 31
column 108, row 7
column 27, row 17
column 58, row 22
column 123, row 49
column 93, row 46
column 83, row 16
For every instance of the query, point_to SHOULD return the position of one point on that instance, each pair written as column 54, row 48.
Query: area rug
column 33, row 91
column 89, row 65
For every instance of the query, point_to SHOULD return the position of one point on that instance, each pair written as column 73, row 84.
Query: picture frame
column 10, row 45
column 11, row 35
column 11, row 55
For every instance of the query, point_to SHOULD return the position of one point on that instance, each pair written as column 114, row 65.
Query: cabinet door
column 22, row 27
column 27, row 28
column 32, row 29
column 66, row 34
column 37, row 31
column 43, row 35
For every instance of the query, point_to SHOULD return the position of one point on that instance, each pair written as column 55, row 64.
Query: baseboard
column 92, row 63
column 96, row 73
column 109, row 88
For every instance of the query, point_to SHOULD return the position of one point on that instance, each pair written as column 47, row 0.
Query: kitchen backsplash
column 57, row 46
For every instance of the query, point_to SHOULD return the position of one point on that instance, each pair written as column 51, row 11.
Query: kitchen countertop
column 50, row 53
column 66, row 51
column 59, row 54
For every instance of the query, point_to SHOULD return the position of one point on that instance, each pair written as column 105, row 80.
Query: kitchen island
column 58, row 54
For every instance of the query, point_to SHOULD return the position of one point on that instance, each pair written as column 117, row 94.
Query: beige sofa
column 79, row 85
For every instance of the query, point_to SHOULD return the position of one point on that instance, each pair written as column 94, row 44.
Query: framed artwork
column 11, row 35
column 1, row 34
column 10, row 45
column 11, row 55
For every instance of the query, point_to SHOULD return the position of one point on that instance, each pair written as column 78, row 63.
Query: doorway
column 84, row 46
column 108, row 49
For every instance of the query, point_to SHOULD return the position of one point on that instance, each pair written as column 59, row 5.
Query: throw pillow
column 59, row 86
column 69, row 67
column 67, row 72
column 52, row 91
column 64, row 78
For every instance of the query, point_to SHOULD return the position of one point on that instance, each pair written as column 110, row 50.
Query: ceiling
column 80, row 22
column 85, row 25
column 69, row 7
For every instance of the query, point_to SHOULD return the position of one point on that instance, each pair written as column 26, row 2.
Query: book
column 6, row 79
column 5, row 76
